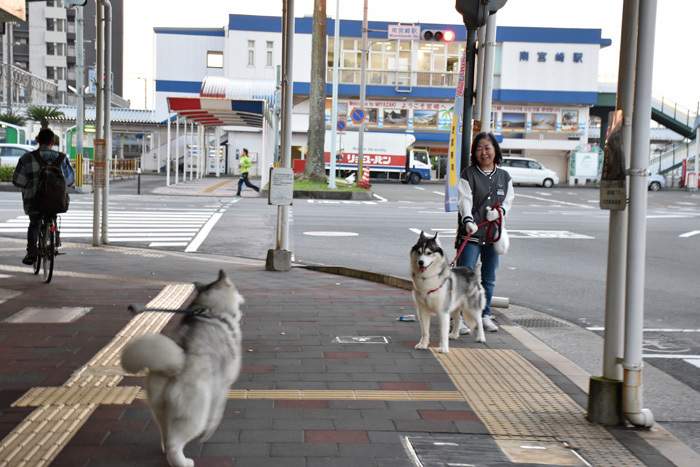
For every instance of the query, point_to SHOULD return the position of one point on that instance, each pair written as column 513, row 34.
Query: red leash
column 498, row 222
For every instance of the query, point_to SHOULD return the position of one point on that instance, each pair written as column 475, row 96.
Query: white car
column 11, row 152
column 655, row 182
column 524, row 170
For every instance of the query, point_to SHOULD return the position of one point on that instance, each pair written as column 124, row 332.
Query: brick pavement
column 304, row 397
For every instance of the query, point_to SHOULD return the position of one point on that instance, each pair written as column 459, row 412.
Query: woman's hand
column 492, row 214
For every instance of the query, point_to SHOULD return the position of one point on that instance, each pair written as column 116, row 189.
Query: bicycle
column 47, row 246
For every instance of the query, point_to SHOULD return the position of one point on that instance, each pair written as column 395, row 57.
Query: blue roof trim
column 550, row 35
column 178, row 86
column 191, row 32
column 255, row 23
column 255, row 107
column 545, row 97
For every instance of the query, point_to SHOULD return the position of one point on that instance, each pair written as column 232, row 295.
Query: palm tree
column 13, row 118
column 38, row 113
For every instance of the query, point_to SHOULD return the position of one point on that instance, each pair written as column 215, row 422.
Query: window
column 50, row 72
column 270, row 46
column 50, row 48
column 49, row 24
column 251, row 53
column 215, row 59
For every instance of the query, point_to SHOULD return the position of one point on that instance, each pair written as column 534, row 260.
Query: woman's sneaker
column 489, row 324
column 463, row 328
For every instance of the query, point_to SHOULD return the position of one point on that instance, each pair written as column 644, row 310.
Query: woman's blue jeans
column 489, row 264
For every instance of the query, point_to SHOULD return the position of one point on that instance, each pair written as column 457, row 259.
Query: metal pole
column 99, row 112
column 217, row 138
column 287, row 94
column 107, row 17
column 80, row 79
column 481, row 53
column 334, row 104
column 363, row 93
column 468, row 98
column 613, row 342
column 167, row 156
column 177, row 148
column 487, row 78
column 7, row 75
column 636, row 245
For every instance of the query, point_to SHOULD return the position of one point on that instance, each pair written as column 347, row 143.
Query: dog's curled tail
column 157, row 352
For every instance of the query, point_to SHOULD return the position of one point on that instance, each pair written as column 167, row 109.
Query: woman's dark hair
column 245, row 151
column 498, row 158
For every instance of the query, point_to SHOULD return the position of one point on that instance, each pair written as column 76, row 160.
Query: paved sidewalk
column 330, row 376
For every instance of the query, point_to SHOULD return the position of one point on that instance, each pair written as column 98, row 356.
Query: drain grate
column 540, row 323
column 361, row 340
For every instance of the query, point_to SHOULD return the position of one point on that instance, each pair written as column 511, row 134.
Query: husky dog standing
column 443, row 291
column 189, row 375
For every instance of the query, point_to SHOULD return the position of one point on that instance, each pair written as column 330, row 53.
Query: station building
column 545, row 83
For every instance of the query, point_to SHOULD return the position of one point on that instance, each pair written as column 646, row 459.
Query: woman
column 481, row 187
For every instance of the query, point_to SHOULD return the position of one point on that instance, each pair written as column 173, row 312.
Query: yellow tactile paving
column 62, row 411
column 516, row 401
column 355, row 395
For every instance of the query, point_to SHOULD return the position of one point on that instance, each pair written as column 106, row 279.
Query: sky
column 676, row 65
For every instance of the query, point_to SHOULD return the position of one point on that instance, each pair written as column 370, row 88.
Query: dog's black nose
column 420, row 263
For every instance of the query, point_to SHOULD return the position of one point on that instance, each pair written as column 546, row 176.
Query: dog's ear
column 422, row 235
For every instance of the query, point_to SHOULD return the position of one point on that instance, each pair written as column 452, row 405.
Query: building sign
column 576, row 57
column 403, row 32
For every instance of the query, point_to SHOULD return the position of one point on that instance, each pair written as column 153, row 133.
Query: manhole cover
column 540, row 323
column 48, row 315
column 361, row 340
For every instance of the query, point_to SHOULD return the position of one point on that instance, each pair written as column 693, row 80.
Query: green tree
column 13, row 118
column 38, row 113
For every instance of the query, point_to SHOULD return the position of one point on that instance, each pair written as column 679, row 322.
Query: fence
column 119, row 169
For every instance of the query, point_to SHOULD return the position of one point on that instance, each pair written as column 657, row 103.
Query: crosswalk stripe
column 158, row 229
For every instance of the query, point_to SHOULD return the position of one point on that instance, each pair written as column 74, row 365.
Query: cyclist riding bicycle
column 26, row 177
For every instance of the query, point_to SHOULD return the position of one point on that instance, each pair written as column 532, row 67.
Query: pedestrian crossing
column 185, row 228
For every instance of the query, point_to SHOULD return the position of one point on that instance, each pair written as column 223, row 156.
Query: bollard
column 138, row 181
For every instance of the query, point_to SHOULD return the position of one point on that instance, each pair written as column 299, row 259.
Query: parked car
column 655, row 182
column 524, row 170
column 11, row 152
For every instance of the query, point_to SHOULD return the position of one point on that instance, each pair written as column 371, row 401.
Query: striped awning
column 219, row 112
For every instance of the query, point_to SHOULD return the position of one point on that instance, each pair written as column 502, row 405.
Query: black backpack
column 51, row 197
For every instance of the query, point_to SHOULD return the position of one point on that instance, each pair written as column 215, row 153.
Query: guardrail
column 672, row 158
column 119, row 169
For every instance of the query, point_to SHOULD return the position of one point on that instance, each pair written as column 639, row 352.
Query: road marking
column 689, row 234
column 555, row 201
column 673, row 356
column 547, row 234
column 419, row 188
column 194, row 244
column 693, row 361
column 602, row 328
column 441, row 193
column 381, row 200
column 331, row 234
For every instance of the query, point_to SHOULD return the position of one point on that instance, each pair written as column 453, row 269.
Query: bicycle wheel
column 49, row 251
column 39, row 249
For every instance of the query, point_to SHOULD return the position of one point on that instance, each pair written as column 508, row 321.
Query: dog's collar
column 435, row 290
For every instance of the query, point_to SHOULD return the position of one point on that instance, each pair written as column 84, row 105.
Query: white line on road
column 674, row 356
column 693, row 361
column 197, row 241
column 689, row 234
column 555, row 201
column 441, row 193
column 419, row 188
column 601, row 328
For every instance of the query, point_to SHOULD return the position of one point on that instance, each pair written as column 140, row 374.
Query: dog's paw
column 444, row 349
column 481, row 339
column 454, row 335
column 421, row 346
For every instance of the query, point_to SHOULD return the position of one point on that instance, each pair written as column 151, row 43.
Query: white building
column 545, row 81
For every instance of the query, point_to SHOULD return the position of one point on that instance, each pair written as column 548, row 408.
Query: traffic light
column 71, row 3
column 438, row 36
column 476, row 12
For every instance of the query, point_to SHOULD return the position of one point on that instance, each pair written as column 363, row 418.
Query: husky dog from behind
column 189, row 375
column 443, row 291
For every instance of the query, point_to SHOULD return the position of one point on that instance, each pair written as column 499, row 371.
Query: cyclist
column 26, row 177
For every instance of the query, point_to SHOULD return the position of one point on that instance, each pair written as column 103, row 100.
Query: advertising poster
column 455, row 155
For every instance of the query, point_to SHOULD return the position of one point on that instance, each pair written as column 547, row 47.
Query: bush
column 6, row 172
